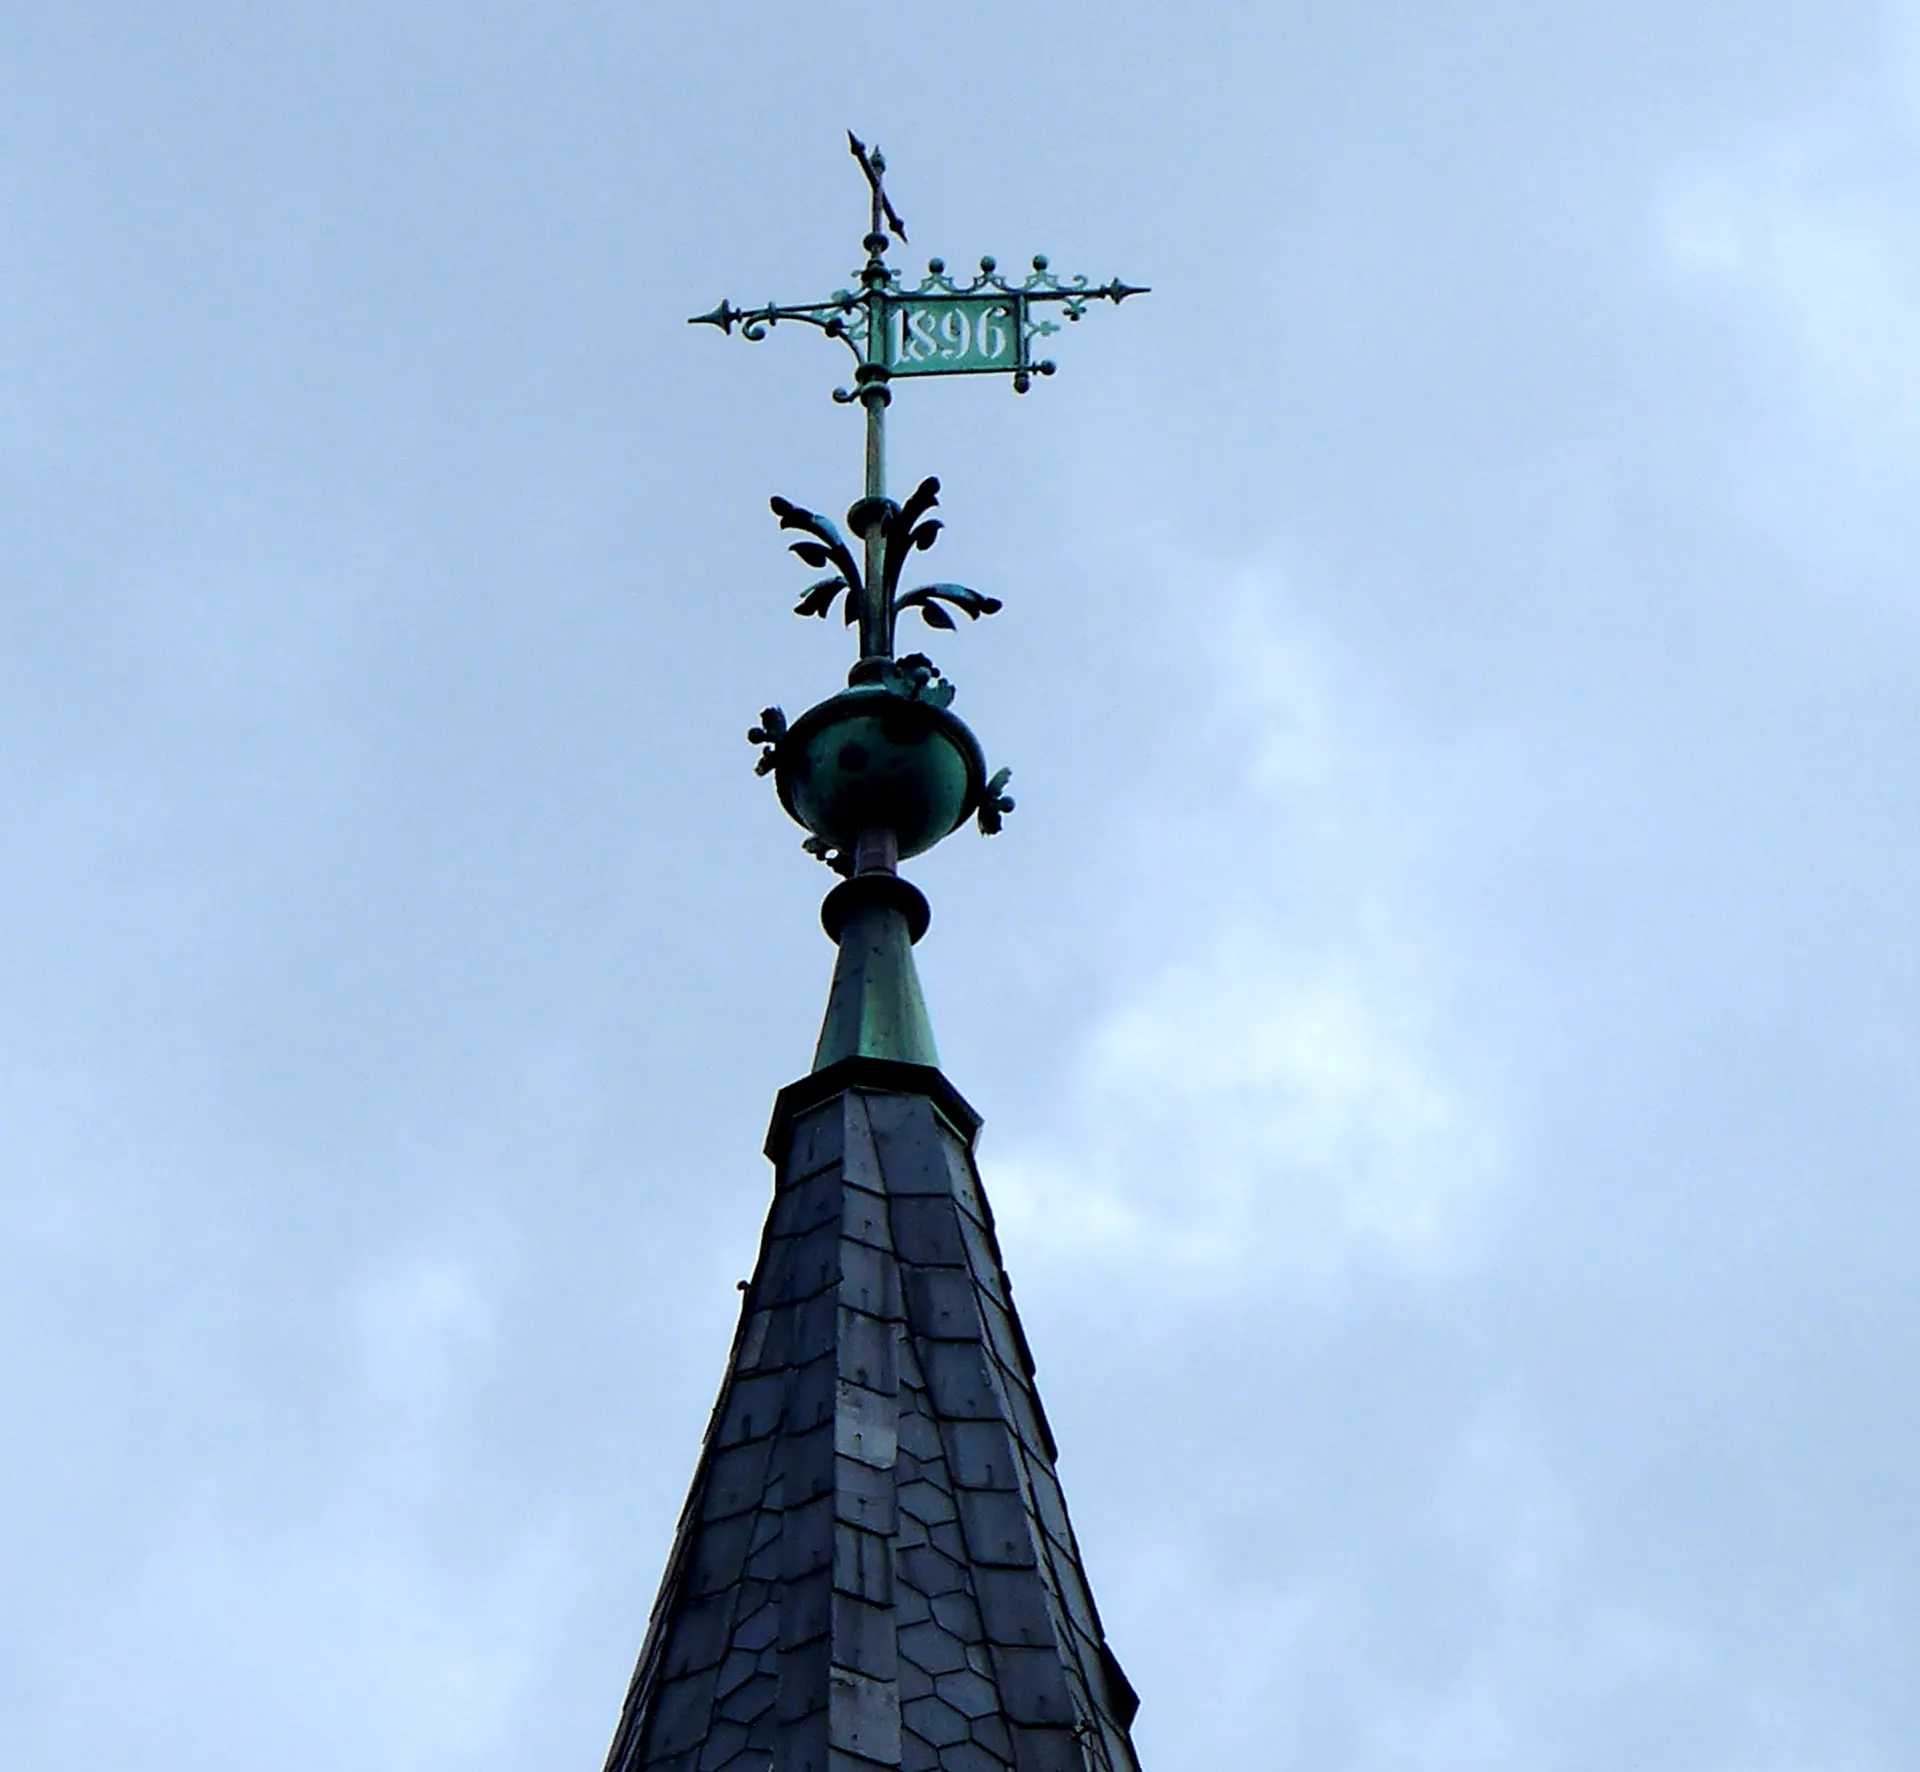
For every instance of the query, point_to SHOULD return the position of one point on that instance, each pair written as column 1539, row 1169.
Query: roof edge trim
column 887, row 1076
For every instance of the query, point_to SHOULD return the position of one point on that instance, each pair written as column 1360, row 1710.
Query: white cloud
column 1811, row 238
column 1247, row 1108
column 1278, row 1092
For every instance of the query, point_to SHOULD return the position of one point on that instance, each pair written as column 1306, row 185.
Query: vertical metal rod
column 876, row 402
column 877, row 638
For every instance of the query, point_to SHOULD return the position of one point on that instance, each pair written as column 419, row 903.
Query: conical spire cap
column 875, row 1008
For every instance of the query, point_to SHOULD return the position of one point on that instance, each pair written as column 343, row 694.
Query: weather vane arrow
column 874, row 166
column 984, row 325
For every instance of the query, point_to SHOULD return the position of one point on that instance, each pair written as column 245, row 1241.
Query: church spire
column 874, row 1568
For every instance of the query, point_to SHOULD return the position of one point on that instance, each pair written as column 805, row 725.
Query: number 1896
column 928, row 337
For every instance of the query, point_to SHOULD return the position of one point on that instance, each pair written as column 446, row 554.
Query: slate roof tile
column 934, row 1720
column 864, row 1640
column 911, row 1606
column 927, row 1233
column 958, row 1381
column 945, row 1537
column 803, row 1464
column 760, row 1630
column 736, row 1479
column 919, row 1432
column 701, row 1639
column 998, row 1528
column 926, row 1503
column 968, row 1693
column 817, row 1140
column 863, row 1566
column 1013, row 1607
column 763, row 1558
column 908, row 1141
column 806, row 1537
column 1033, row 1685
column 931, row 1571
column 943, row 1303
column 869, row 1350
column 866, row 1429
column 982, row 1453
column 685, row 1708
column 750, row 1702
column 959, row 1616
column 932, row 1649
column 802, row 1680
column 806, row 1610
column 808, row 1205
column 735, row 1671
column 864, row 1716
column 863, row 1495
column 720, row 1555
column 725, row 1741
column 992, row 1734
column 753, row 1408
column 810, row 1392
column 865, row 1218
column 869, row 1281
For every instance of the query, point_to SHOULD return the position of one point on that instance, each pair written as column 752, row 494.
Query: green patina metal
column 885, row 769
column 940, row 326
column 872, row 758
column 875, row 1008
column 985, row 325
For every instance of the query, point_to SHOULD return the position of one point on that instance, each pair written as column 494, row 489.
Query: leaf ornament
column 905, row 532
column 819, row 598
column 770, row 731
column 906, row 529
column 918, row 678
column 995, row 803
column 827, row 548
column 928, row 598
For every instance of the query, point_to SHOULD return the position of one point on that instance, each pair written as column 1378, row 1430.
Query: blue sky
column 1445, row 1008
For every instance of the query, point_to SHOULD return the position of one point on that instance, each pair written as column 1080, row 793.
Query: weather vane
column 874, row 780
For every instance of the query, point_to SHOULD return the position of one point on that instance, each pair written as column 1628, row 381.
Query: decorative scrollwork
column 857, row 317
column 986, row 323
column 905, row 529
column 844, row 317
column 1041, row 284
